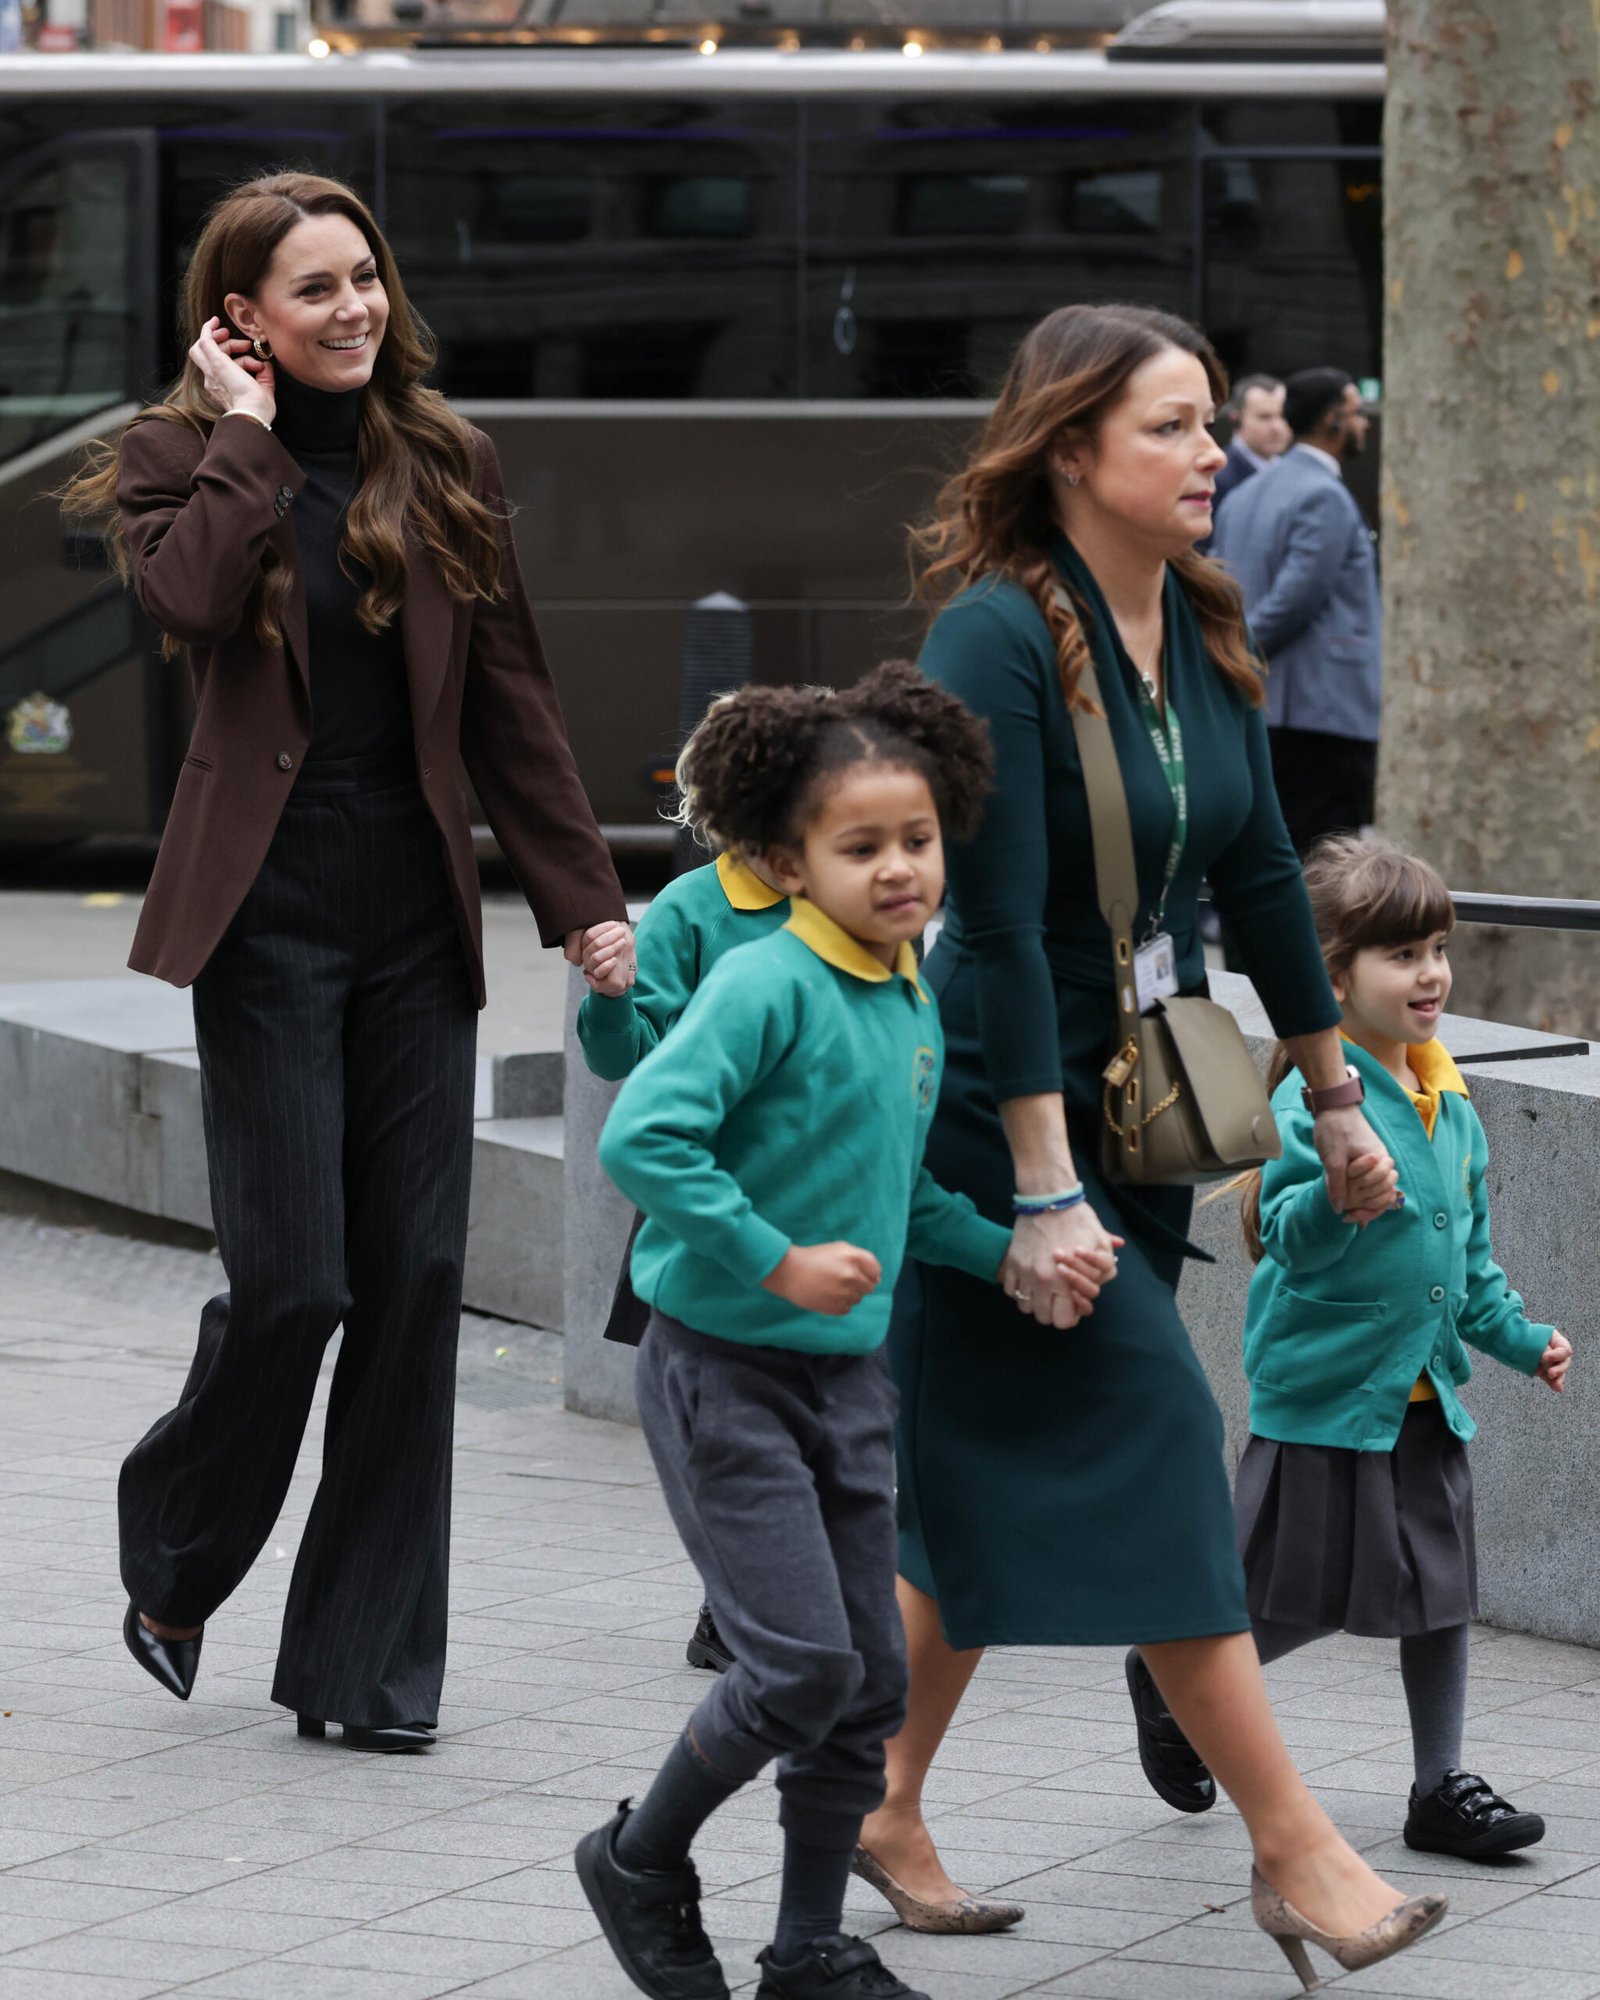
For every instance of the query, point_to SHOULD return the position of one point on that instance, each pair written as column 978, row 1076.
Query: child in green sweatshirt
column 774, row 1142
column 639, row 984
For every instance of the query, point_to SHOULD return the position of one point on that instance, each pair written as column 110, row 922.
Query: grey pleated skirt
column 1379, row 1543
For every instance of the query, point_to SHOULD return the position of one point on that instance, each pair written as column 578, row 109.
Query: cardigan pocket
column 1308, row 1346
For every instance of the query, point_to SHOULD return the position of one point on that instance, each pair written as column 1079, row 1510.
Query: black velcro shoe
column 1173, row 1766
column 707, row 1647
column 832, row 1968
column 651, row 1918
column 1466, row 1818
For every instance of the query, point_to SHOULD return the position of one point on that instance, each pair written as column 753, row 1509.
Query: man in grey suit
column 1303, row 556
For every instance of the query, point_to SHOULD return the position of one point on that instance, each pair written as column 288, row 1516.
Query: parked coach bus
column 727, row 318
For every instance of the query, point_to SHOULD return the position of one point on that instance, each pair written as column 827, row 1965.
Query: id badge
column 1155, row 972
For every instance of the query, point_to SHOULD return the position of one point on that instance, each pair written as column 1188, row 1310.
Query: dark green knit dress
column 1069, row 1488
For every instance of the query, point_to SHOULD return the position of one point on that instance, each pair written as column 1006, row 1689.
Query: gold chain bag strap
column 1184, row 1101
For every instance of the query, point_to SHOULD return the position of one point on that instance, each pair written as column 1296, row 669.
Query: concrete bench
column 100, row 1093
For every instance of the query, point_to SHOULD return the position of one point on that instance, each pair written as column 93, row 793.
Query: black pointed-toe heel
column 172, row 1662
column 398, row 1736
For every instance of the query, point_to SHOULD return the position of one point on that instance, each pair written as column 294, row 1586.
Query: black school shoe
column 707, row 1647
column 1170, row 1761
column 832, row 1968
column 1465, row 1817
column 651, row 1918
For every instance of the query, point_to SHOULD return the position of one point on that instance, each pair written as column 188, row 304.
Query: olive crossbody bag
column 1183, row 1101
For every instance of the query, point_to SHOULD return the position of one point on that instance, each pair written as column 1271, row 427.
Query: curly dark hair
column 762, row 761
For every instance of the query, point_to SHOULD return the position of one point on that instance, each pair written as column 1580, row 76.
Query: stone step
column 100, row 1094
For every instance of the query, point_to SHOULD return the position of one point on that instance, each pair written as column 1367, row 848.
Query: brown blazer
column 197, row 515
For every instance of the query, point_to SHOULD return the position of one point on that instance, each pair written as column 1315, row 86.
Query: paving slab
column 149, row 1848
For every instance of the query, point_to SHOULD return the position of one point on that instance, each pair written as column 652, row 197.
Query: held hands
column 234, row 378
column 606, row 955
column 1552, row 1370
column 1361, row 1176
column 1371, row 1187
column 1058, row 1263
column 826, row 1278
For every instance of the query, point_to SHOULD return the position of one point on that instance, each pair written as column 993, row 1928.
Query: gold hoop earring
column 261, row 349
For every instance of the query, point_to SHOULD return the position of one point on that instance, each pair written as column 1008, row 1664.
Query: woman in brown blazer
column 332, row 544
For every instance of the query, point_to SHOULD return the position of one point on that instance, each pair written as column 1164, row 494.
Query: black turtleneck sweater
column 360, row 704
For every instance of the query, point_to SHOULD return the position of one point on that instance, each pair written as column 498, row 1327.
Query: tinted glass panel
column 939, row 232
column 1294, row 264
column 648, row 249
column 1281, row 121
column 67, row 289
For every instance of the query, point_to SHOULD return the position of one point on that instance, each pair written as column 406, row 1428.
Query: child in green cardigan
column 774, row 1142
column 696, row 918
column 1354, row 1496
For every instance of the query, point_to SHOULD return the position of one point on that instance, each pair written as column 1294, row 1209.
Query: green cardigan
column 791, row 1104
column 696, row 918
column 1342, row 1321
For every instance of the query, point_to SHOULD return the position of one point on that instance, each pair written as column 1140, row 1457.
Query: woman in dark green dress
column 1062, row 1476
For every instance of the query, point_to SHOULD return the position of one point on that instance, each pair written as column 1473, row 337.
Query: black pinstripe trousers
column 337, row 1032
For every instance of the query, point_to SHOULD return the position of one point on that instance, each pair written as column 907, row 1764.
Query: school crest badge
column 923, row 1066
column 39, row 727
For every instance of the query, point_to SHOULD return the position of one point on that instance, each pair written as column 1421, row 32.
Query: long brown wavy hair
column 414, row 456
column 1365, row 894
column 995, row 517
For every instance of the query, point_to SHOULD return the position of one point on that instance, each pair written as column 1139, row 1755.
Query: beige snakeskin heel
column 1404, row 1924
column 969, row 1916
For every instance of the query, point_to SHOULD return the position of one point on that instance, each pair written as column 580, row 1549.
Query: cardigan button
column 1441, row 1220
column 1436, row 1293
column 286, row 763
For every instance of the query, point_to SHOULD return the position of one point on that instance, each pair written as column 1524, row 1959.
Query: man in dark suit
column 1303, row 556
column 1255, row 409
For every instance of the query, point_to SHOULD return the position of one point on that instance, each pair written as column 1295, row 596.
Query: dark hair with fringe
column 1365, row 895
column 996, row 516
column 759, row 766
column 414, row 456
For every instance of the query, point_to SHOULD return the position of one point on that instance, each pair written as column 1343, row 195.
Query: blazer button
column 285, row 761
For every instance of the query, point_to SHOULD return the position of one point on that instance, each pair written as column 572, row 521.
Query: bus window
column 1248, row 124
column 1294, row 264
column 940, row 231
column 672, row 276
column 67, row 289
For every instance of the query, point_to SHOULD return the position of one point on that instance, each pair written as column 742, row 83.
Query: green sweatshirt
column 696, row 918
column 791, row 1104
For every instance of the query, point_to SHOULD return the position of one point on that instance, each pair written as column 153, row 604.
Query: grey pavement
column 148, row 1847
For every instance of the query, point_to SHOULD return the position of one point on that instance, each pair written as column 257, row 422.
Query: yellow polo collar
column 742, row 886
column 1436, row 1069
column 835, row 946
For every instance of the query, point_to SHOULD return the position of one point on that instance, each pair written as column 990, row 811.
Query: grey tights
column 1433, row 1668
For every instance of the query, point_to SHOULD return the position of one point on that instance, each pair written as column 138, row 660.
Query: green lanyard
column 1168, row 741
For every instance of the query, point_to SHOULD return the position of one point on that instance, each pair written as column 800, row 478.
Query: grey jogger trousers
column 778, row 1469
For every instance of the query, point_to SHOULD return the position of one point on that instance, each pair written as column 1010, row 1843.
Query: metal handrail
column 1536, row 913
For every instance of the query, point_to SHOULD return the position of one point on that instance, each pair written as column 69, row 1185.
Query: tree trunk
column 1491, row 487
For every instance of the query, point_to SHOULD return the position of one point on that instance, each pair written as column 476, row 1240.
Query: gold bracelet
column 251, row 415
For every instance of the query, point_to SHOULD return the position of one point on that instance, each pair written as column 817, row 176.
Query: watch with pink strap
column 1337, row 1095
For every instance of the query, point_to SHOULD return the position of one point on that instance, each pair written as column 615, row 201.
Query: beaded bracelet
column 1047, row 1204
